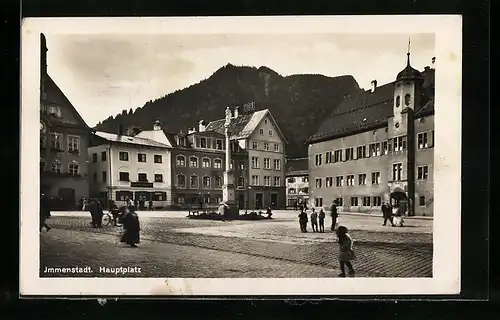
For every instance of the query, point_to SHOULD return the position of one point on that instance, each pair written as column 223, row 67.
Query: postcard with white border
column 204, row 156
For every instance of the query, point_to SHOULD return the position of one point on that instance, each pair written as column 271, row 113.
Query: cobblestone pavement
column 381, row 251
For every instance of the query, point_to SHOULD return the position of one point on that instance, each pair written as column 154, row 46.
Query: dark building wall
column 188, row 196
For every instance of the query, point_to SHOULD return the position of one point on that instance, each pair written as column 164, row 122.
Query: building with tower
column 64, row 138
column 378, row 146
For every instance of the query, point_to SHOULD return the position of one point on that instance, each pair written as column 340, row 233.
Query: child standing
column 346, row 253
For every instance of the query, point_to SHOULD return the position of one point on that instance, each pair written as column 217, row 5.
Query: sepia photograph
column 243, row 155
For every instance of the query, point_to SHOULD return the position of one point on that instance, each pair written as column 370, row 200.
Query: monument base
column 232, row 211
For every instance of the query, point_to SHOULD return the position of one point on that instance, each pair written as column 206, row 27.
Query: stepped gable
column 370, row 110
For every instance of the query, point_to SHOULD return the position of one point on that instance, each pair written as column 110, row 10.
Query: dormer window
column 54, row 111
column 181, row 141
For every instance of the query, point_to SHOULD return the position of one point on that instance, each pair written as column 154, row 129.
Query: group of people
column 318, row 219
column 127, row 216
column 139, row 204
column 345, row 242
column 393, row 214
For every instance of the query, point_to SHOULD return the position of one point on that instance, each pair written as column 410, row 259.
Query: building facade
column 297, row 182
column 197, row 168
column 123, row 167
column 377, row 147
column 64, row 138
column 260, row 143
column 197, row 165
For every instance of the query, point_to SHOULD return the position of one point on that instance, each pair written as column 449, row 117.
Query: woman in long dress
column 131, row 235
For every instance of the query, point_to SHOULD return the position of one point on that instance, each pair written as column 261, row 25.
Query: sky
column 102, row 75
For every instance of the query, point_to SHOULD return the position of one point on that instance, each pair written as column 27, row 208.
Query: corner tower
column 401, row 133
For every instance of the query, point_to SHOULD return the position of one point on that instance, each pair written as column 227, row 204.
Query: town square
column 222, row 179
column 174, row 246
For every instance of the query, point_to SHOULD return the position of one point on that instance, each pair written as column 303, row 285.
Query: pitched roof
column 129, row 140
column 297, row 166
column 160, row 136
column 56, row 96
column 368, row 110
column 244, row 125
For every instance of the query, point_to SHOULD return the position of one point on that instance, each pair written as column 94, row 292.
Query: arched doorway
column 398, row 196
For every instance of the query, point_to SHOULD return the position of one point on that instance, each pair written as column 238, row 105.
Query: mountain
column 299, row 103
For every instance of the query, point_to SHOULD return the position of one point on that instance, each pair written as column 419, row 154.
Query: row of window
column 276, row 181
column 269, row 132
column 303, row 179
column 207, row 143
column 181, row 181
column 141, row 177
column 365, row 201
column 398, row 144
column 123, row 156
column 181, row 199
column 266, row 146
column 206, row 162
column 267, row 163
column 56, row 167
column 397, row 174
column 56, row 142
column 298, row 191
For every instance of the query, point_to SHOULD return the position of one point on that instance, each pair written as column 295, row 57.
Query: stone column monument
column 228, row 189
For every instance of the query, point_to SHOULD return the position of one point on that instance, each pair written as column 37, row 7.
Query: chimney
column 156, row 125
column 374, row 85
column 201, row 126
column 433, row 62
column 236, row 113
column 120, row 129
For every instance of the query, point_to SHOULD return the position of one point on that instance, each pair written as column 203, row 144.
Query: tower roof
column 409, row 73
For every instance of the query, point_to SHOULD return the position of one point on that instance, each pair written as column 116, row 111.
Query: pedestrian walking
column 346, row 252
column 321, row 217
column 131, row 226
column 387, row 214
column 314, row 220
column 150, row 205
column 44, row 213
column 303, row 221
column 335, row 215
